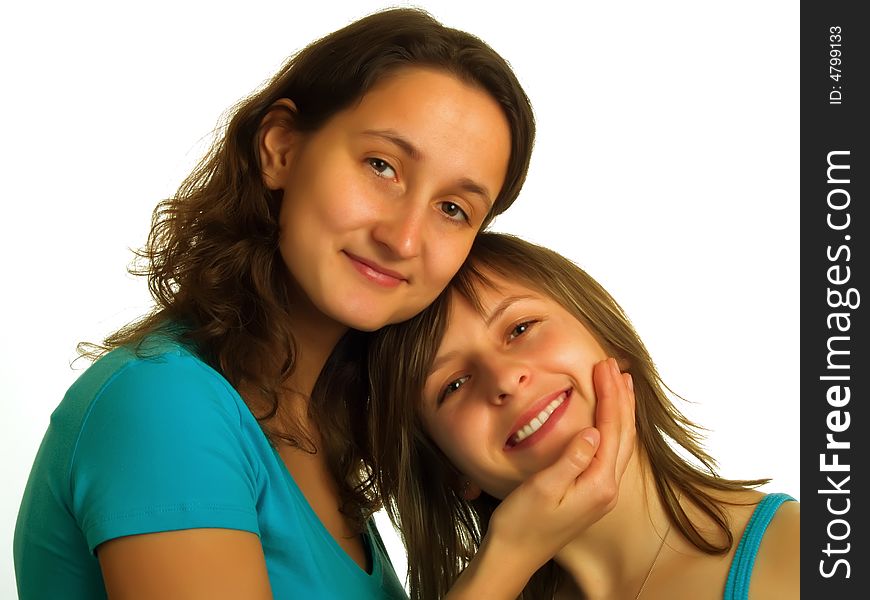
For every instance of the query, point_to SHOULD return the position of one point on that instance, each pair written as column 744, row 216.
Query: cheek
column 444, row 255
column 349, row 198
column 328, row 191
column 312, row 211
column 577, row 361
column 440, row 263
column 455, row 436
column 585, row 412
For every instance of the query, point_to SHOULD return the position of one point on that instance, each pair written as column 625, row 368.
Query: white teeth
column 538, row 421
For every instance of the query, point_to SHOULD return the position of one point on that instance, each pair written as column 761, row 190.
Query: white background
column 666, row 165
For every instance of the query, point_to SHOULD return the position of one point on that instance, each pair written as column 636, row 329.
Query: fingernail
column 630, row 382
column 591, row 435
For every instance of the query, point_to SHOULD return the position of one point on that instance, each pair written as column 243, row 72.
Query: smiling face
column 381, row 204
column 510, row 385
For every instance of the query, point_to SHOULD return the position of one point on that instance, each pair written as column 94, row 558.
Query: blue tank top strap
column 737, row 586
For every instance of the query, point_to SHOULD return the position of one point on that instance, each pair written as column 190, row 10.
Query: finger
column 630, row 401
column 628, row 433
column 609, row 414
column 624, row 401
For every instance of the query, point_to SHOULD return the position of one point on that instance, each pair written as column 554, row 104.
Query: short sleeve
column 161, row 448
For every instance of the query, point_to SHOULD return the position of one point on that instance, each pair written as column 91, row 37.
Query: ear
column 469, row 490
column 277, row 139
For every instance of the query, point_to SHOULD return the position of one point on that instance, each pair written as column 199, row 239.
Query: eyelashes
column 453, row 211
column 382, row 168
column 452, row 387
column 521, row 328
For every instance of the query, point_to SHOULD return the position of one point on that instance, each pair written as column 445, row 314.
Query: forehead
column 479, row 297
column 426, row 81
column 454, row 127
column 421, row 94
column 436, row 106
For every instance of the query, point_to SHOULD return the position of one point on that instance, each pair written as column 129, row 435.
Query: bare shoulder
column 777, row 566
column 739, row 505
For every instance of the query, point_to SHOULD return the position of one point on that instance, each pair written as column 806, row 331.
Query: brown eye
column 453, row 387
column 519, row 329
column 453, row 211
column 381, row 168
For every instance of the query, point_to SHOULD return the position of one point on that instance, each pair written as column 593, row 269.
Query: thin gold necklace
column 655, row 560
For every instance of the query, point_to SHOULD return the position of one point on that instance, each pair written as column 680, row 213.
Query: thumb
column 575, row 459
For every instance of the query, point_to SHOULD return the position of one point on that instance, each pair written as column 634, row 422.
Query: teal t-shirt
column 162, row 443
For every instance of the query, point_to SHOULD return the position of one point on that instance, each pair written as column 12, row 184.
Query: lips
column 375, row 272
column 536, row 417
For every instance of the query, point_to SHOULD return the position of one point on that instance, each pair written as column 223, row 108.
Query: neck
column 608, row 562
column 316, row 336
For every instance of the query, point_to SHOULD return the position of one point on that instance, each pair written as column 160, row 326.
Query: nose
column 509, row 378
column 402, row 230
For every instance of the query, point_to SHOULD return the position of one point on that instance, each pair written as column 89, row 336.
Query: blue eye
column 453, row 387
column 453, row 211
column 381, row 168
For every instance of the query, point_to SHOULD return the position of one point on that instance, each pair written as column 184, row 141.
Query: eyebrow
column 393, row 137
column 396, row 139
column 503, row 306
column 436, row 364
column 475, row 188
column 488, row 320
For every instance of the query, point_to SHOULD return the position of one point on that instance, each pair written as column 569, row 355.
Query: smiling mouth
column 375, row 272
column 538, row 420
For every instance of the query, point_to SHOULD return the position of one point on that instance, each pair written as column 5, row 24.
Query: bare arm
column 212, row 564
column 558, row 503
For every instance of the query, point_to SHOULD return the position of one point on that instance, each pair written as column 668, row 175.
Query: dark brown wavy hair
column 442, row 530
column 212, row 259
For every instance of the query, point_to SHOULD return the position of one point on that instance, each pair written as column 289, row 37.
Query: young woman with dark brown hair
column 217, row 448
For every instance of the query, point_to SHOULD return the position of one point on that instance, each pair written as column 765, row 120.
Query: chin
column 368, row 326
column 376, row 320
column 361, row 319
column 370, row 313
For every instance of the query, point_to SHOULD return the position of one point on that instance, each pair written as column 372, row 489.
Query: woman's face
column 510, row 385
column 382, row 203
